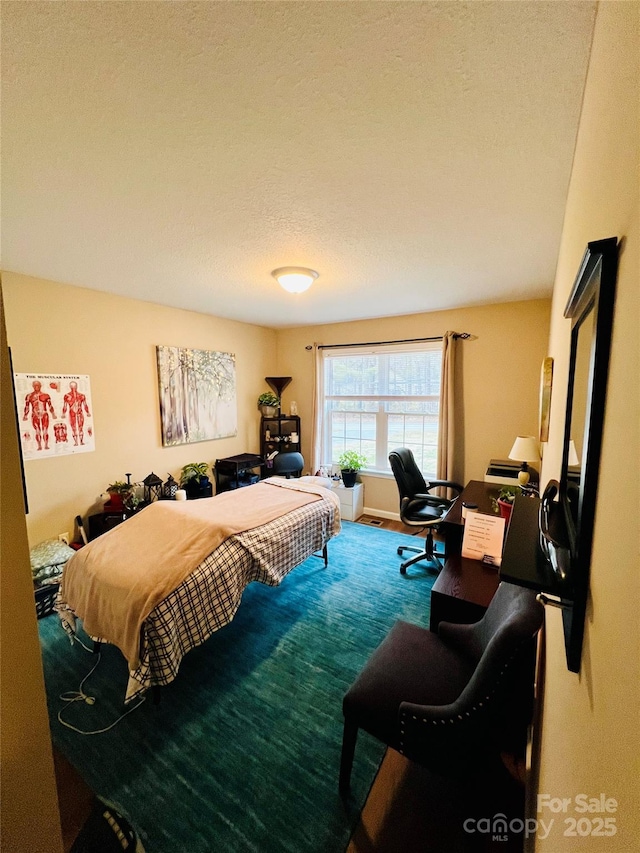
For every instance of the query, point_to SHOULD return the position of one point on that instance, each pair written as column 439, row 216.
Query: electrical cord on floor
column 80, row 696
column 75, row 639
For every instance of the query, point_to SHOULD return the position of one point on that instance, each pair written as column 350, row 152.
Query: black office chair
column 451, row 701
column 417, row 507
column 288, row 465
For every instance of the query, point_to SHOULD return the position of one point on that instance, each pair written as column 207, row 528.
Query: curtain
column 446, row 423
column 318, row 409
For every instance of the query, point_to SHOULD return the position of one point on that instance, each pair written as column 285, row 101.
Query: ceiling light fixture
column 295, row 279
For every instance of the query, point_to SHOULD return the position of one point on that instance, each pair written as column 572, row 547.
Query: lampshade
column 573, row 456
column 525, row 449
column 295, row 279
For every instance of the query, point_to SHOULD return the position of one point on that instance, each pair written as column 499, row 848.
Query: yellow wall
column 53, row 328
column 500, row 373
column 29, row 822
column 590, row 733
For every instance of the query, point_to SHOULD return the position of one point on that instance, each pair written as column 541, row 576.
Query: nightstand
column 100, row 522
column 351, row 500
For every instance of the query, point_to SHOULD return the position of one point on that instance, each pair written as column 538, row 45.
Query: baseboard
column 381, row 513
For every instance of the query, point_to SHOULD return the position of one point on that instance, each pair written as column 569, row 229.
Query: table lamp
column 573, row 459
column 525, row 449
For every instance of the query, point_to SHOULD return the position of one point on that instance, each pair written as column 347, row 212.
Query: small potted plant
column 194, row 479
column 503, row 504
column 268, row 404
column 350, row 463
column 121, row 495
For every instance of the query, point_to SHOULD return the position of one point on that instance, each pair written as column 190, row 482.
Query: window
column 375, row 401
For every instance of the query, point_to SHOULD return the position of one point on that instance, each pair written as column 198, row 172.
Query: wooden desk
column 464, row 588
column 476, row 492
column 462, row 591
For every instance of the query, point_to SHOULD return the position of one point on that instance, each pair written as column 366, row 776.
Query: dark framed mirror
column 549, row 541
column 590, row 308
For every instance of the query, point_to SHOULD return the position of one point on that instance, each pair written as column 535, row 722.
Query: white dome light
column 295, row 279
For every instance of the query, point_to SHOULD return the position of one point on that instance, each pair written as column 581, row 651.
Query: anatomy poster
column 55, row 415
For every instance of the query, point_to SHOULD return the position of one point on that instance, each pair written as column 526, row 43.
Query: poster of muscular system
column 55, row 415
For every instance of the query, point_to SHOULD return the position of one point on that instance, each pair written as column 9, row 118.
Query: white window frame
column 381, row 467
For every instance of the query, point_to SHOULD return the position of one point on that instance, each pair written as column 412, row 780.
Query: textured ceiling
column 417, row 155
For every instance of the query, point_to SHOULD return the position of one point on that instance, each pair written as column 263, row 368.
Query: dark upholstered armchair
column 451, row 701
column 288, row 464
column 418, row 508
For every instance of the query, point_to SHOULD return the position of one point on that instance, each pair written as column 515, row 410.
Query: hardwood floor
column 411, row 810
column 390, row 524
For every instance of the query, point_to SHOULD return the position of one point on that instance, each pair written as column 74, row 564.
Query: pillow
column 316, row 481
column 49, row 555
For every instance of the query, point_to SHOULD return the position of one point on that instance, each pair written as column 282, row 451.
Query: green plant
column 126, row 492
column 131, row 500
column 351, row 460
column 194, row 470
column 119, row 487
column 507, row 494
column 268, row 399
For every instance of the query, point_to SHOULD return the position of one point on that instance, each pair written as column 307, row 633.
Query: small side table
column 351, row 500
column 234, row 472
column 100, row 522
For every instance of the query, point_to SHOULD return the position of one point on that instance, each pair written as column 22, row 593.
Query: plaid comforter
column 210, row 596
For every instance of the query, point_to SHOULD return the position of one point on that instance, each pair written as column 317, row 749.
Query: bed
column 209, row 594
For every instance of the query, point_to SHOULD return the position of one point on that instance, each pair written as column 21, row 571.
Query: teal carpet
column 242, row 753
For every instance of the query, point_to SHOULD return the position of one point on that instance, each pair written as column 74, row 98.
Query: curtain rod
column 462, row 335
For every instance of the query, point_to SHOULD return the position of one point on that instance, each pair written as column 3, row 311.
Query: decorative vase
column 505, row 510
column 348, row 478
column 115, row 502
column 192, row 487
column 198, row 487
column 269, row 411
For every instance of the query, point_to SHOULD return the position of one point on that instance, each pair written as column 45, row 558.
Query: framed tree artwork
column 546, row 383
column 197, row 395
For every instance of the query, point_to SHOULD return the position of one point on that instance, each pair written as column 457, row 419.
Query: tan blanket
column 115, row 581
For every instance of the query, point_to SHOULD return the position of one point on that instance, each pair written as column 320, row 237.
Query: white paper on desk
column 483, row 538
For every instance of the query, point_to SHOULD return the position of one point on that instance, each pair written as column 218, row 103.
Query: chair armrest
column 446, row 484
column 419, row 501
column 428, row 498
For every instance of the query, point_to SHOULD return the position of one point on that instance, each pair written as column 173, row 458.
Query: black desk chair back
column 451, row 701
column 288, row 465
column 419, row 508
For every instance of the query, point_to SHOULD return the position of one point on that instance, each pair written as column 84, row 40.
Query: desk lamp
column 573, row 461
column 525, row 449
